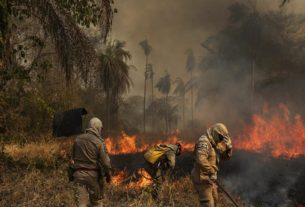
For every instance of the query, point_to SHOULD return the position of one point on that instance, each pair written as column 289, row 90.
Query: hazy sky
column 171, row 27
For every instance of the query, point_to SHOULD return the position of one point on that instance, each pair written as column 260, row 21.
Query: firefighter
column 90, row 163
column 160, row 161
column 212, row 146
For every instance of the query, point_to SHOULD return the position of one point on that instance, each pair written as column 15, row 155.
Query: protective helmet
column 96, row 124
column 179, row 149
column 219, row 132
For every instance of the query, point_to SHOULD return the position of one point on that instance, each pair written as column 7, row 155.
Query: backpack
column 154, row 153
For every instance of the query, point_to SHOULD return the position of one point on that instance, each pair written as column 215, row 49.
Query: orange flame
column 119, row 178
column 145, row 180
column 275, row 133
column 132, row 144
column 124, row 145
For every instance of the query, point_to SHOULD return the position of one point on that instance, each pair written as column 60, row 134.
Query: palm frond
column 164, row 84
column 74, row 50
column 72, row 46
column 146, row 47
column 180, row 87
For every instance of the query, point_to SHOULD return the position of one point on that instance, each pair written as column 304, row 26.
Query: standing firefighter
column 214, row 145
column 160, row 161
column 90, row 164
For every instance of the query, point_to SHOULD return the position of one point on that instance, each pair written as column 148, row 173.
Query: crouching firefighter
column 90, row 164
column 160, row 161
column 212, row 146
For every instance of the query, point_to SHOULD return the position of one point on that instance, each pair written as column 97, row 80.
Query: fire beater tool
column 226, row 193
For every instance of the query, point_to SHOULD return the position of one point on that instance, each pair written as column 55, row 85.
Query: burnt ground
column 256, row 178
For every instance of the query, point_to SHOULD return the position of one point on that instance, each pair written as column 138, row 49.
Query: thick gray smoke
column 172, row 27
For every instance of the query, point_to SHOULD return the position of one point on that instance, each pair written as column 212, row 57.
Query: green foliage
column 114, row 70
column 114, row 77
column 85, row 12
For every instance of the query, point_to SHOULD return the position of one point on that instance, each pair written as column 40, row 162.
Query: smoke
column 263, row 181
column 224, row 92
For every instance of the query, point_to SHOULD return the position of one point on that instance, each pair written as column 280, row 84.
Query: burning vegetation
column 275, row 132
column 279, row 134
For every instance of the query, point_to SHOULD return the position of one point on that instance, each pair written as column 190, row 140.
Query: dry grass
column 34, row 175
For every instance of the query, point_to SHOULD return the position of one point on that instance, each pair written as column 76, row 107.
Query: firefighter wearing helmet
column 160, row 161
column 212, row 146
column 90, row 164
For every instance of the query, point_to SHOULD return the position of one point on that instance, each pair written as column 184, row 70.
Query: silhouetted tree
column 114, row 77
column 164, row 86
column 147, row 50
column 190, row 66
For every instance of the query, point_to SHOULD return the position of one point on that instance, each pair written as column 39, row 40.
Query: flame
column 124, row 145
column 145, row 180
column 132, row 144
column 276, row 133
column 119, row 178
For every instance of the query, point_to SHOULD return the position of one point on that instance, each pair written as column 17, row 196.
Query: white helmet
column 96, row 124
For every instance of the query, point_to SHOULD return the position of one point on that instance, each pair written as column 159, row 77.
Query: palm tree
column 163, row 111
column 114, row 77
column 180, row 91
column 150, row 75
column 164, row 86
column 190, row 65
column 147, row 50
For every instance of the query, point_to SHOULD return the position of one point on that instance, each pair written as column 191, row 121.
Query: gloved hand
column 228, row 142
column 213, row 177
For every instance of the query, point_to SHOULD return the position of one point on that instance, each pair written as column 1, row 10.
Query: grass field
column 34, row 174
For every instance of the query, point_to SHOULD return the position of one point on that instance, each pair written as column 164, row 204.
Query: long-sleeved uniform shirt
column 89, row 153
column 206, row 156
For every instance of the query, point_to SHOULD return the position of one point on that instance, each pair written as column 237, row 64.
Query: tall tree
column 114, row 77
column 150, row 75
column 190, row 66
column 147, row 50
column 164, row 86
column 180, row 91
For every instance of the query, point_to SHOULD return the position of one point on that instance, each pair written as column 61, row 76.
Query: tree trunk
column 152, row 102
column 252, row 84
column 166, row 115
column 6, row 32
column 108, row 110
column 144, row 107
column 192, row 104
column 114, row 111
column 183, row 108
